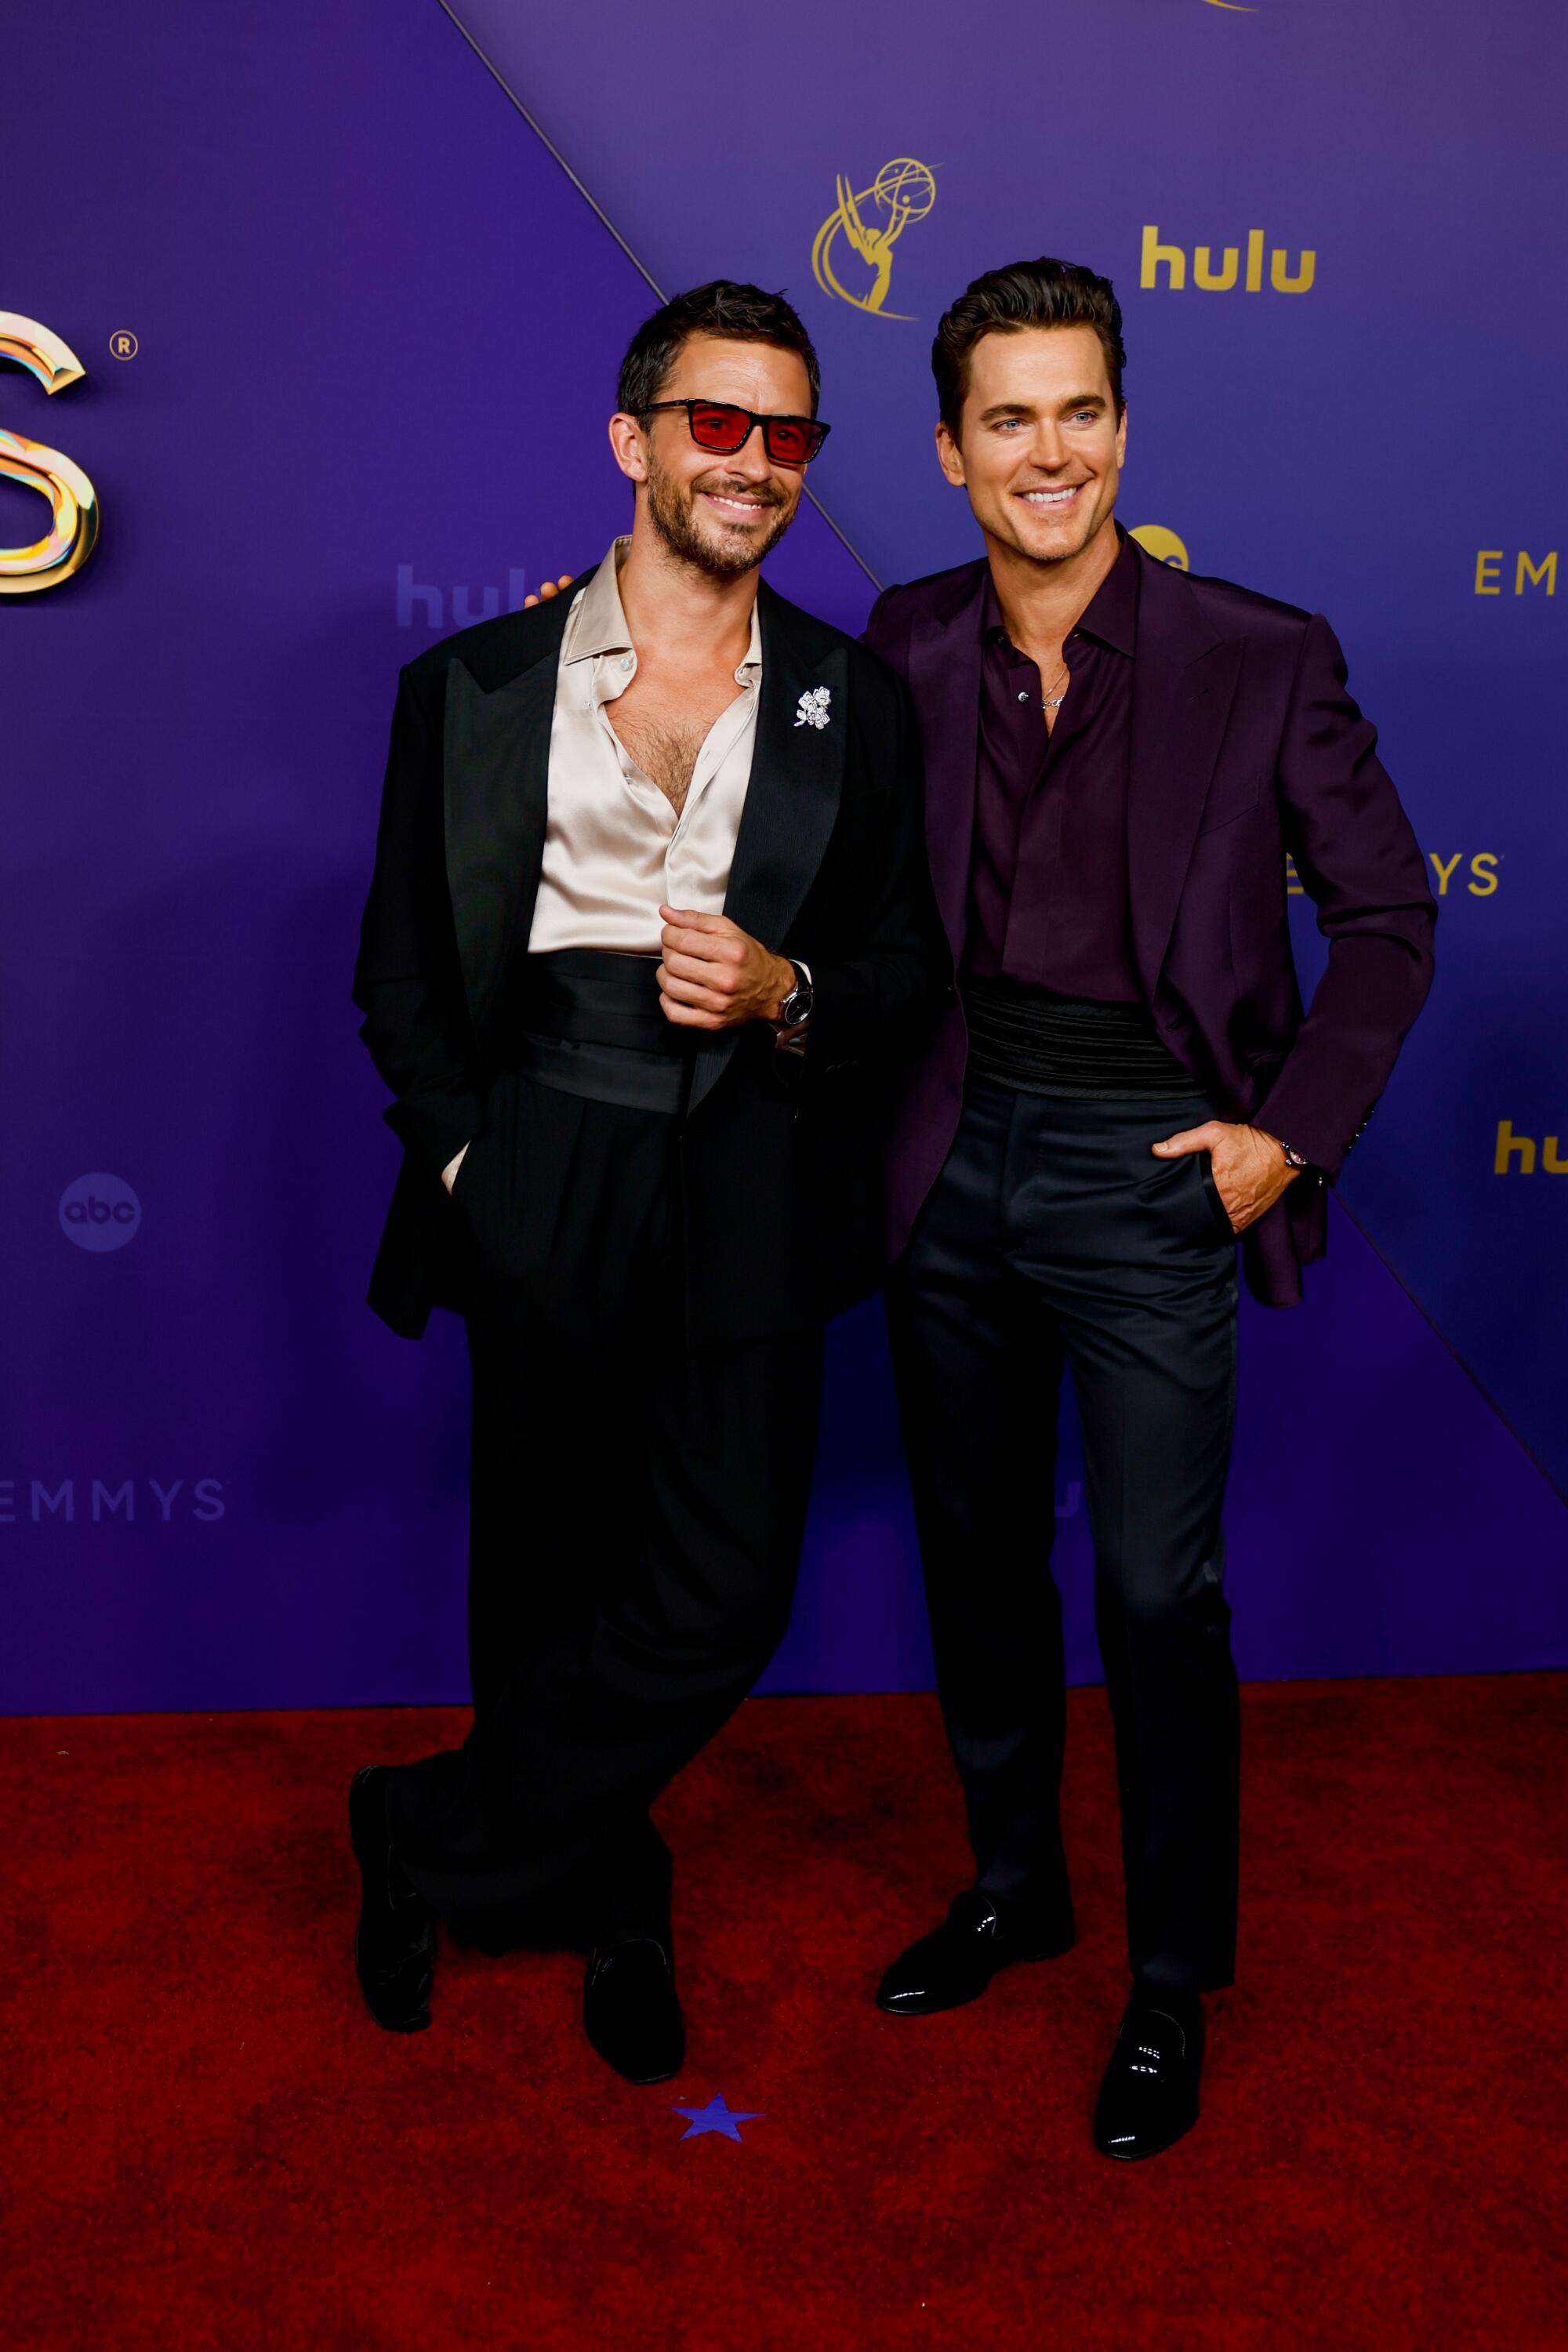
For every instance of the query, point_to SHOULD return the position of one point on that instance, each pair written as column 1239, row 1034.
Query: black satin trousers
column 1053, row 1238
column 637, row 1510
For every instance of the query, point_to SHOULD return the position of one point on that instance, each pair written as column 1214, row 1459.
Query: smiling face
column 720, row 514
column 1039, row 445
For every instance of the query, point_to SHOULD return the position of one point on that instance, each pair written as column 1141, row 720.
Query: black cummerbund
column 1038, row 1044
column 592, row 1025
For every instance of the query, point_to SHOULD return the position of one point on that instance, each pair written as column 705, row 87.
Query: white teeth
column 1051, row 497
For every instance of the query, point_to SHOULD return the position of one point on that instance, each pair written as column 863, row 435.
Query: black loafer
column 1149, row 2097
column 956, row 1961
column 395, row 1944
column 630, row 2013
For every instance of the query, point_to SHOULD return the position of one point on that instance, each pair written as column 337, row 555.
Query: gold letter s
column 71, row 497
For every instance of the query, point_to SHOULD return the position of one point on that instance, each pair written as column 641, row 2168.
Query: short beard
column 672, row 510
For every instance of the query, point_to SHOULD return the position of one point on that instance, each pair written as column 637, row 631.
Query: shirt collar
column 598, row 624
column 1111, row 614
column 598, row 621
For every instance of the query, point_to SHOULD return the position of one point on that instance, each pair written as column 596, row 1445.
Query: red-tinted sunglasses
column 788, row 440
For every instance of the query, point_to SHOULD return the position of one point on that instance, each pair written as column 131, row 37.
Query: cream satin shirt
column 615, row 850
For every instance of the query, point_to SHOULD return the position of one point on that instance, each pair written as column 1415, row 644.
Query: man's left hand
column 1250, row 1169
column 714, row 975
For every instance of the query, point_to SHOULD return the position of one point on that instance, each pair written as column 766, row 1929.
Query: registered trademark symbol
column 123, row 344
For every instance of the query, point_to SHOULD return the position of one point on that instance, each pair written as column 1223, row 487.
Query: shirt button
column 626, row 661
column 1023, row 698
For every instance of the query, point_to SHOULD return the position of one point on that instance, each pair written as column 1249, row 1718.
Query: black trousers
column 638, row 1515
column 1053, row 1235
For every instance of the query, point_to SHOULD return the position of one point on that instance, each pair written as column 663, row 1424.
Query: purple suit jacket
column 1245, row 745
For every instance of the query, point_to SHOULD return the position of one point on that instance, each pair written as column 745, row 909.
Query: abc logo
column 99, row 1212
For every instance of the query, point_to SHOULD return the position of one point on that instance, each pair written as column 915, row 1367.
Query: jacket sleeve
column 877, row 1004
column 407, row 978
column 1359, row 863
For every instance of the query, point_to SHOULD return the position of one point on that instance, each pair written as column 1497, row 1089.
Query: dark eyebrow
column 1026, row 408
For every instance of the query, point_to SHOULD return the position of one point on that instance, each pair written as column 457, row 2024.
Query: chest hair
column 665, row 747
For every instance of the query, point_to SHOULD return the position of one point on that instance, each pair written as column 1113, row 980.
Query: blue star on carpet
column 714, row 2118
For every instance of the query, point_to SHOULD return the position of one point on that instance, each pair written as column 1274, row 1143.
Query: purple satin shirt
column 1047, row 886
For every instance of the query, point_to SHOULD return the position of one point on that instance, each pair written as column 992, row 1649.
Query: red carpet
column 209, row 2143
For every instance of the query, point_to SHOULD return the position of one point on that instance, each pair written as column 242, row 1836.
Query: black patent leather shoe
column 956, row 1961
column 395, row 1944
column 1149, row 2095
column 630, row 2012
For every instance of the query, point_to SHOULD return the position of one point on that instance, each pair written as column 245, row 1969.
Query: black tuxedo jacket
column 780, row 1157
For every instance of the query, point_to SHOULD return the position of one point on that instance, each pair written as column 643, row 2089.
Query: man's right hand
column 550, row 588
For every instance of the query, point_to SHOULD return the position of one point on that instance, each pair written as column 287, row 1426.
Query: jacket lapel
column 496, row 782
column 793, row 795
column 1183, row 679
column 944, row 682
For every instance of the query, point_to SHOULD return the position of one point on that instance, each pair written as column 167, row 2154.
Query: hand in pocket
column 1250, row 1167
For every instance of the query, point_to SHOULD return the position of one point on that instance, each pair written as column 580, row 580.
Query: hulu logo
column 420, row 602
column 1208, row 279
column 1521, row 1149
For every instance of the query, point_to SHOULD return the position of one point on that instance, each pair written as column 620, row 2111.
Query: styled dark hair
column 723, row 307
column 1043, row 293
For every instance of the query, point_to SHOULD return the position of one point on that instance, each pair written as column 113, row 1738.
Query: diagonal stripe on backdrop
column 643, row 271
column 1464, row 1366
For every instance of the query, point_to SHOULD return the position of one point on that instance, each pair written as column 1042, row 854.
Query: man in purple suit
column 1118, row 756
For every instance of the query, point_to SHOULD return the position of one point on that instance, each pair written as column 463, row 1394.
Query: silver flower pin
column 812, row 708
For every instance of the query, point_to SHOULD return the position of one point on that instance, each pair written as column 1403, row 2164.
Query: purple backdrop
column 376, row 326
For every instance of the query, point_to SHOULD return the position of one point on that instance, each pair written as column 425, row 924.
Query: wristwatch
column 795, row 1009
column 1293, row 1158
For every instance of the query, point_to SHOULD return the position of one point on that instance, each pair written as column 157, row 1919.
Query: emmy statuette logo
column 73, row 502
column 870, row 222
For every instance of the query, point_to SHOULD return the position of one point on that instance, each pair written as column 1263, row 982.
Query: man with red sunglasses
column 650, row 942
